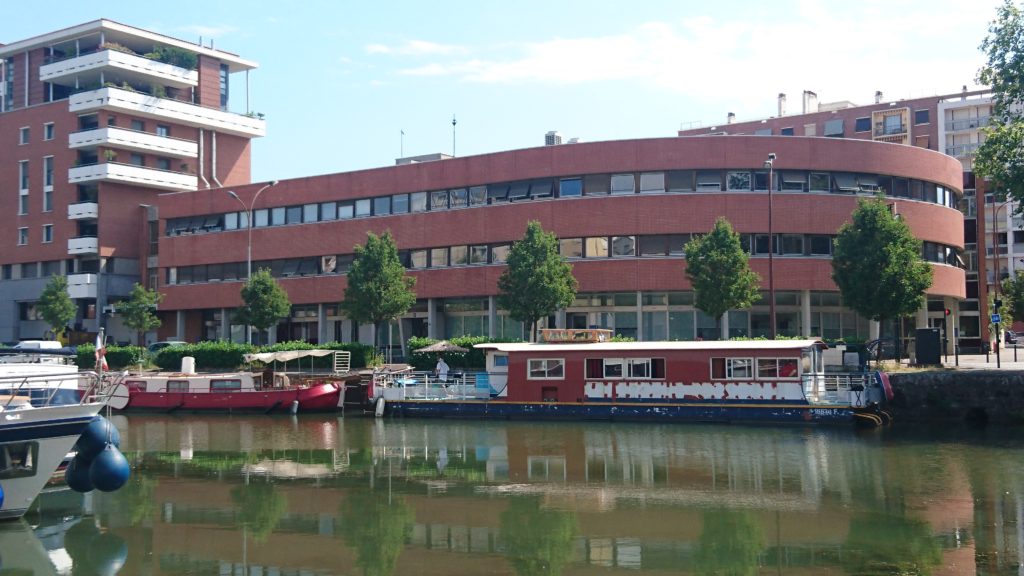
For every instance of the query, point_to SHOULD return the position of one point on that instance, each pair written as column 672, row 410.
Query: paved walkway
column 1007, row 360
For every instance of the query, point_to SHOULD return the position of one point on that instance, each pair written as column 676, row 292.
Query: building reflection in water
column 326, row 495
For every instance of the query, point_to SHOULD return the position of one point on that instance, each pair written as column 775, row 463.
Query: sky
column 339, row 82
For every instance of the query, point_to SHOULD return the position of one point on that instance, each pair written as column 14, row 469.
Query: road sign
column 996, row 319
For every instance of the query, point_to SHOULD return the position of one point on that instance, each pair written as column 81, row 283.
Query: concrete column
column 560, row 319
column 432, row 318
column 921, row 317
column 492, row 317
column 322, row 334
column 180, row 325
column 272, row 334
column 225, row 324
column 805, row 313
column 874, row 328
column 724, row 327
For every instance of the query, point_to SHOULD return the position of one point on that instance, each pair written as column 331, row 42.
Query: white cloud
column 416, row 48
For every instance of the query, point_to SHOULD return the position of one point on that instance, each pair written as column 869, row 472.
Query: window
column 48, row 200
column 23, row 135
column 261, row 218
column 459, row 255
column 363, row 207
column 921, row 117
column 48, row 172
column 763, row 132
column 177, row 385
column 23, row 175
column 418, row 259
column 596, row 247
column 732, row 368
column 846, row 182
column 137, row 160
column 892, row 124
column 459, row 198
column 22, row 236
column 623, row 184
column 439, row 200
column 709, row 181
column 497, row 193
column 570, row 247
column 786, row 131
column 328, row 211
column 653, row 245
column 163, row 163
column 20, row 460
column 438, row 257
column 821, row 245
column 793, row 181
column 310, row 213
column 623, row 246
column 519, row 191
column 819, row 182
column 418, row 202
column 791, row 244
column 382, row 206
column 293, row 214
column 499, row 253
column 776, row 367
column 862, row 125
column 543, row 189
column 570, row 187
column 138, row 125
column 400, row 204
column 227, row 385
column 48, row 131
column 547, row 369
column 652, row 182
column 346, row 210
column 224, row 86
column 738, row 181
column 478, row 254
column 834, row 128
column 680, row 181
column 277, row 216
column 23, row 203
column 47, row 233
column 596, row 184
column 162, row 130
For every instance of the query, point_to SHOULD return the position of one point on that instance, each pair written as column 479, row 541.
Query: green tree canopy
column 539, row 540
column 877, row 263
column 139, row 310
column 719, row 269
column 378, row 287
column 537, row 280
column 260, row 508
column 1001, row 156
column 1013, row 293
column 376, row 526
column 729, row 544
column 56, row 305
column 264, row 302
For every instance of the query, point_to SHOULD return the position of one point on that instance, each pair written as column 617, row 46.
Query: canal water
column 315, row 495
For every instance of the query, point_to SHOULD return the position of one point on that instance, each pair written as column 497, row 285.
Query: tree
column 538, row 540
column 378, row 288
column 138, row 312
column 537, row 280
column 1001, row 156
column 263, row 301
column 1013, row 291
column 376, row 524
column 56, row 305
column 719, row 269
column 877, row 263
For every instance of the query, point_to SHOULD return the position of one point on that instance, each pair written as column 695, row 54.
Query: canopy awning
column 268, row 357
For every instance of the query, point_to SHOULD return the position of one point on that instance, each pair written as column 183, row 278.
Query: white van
column 34, row 358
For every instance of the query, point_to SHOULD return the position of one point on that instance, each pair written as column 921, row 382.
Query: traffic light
column 999, row 303
column 947, row 311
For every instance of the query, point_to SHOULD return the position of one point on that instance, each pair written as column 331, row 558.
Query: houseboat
column 581, row 374
column 267, row 391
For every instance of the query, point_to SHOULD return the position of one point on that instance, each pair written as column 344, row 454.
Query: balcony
column 82, row 285
column 143, row 105
column 83, row 211
column 890, row 130
column 131, row 174
column 962, row 150
column 967, row 124
column 91, row 68
column 134, row 140
column 87, row 245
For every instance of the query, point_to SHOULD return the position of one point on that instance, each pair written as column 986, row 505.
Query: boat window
column 500, row 360
column 135, row 385
column 18, row 459
column 177, row 385
column 718, row 368
column 225, row 385
column 639, row 368
column 776, row 367
column 595, row 368
column 547, row 368
column 739, row 367
column 613, row 367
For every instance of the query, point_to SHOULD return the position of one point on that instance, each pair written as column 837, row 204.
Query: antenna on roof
column 453, row 135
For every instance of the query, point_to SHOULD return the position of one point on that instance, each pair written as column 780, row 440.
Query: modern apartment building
column 951, row 124
column 96, row 121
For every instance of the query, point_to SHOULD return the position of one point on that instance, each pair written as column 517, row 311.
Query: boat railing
column 838, row 387
column 422, row 385
column 56, row 388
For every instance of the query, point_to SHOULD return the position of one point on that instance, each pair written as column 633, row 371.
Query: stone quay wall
column 977, row 396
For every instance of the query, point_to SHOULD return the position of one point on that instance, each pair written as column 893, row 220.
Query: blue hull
column 638, row 411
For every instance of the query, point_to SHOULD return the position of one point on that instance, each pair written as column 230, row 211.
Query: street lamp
column 995, row 266
column 248, row 224
column 770, row 165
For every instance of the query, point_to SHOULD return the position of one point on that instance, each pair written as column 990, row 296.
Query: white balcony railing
column 134, row 140
column 131, row 174
column 144, row 105
column 83, row 211
column 65, row 71
column 82, row 285
column 83, row 245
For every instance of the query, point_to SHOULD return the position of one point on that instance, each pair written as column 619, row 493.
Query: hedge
column 118, row 357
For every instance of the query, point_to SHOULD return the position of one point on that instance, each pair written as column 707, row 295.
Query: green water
column 318, row 495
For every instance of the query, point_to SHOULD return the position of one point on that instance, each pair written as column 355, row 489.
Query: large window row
column 644, row 246
column 590, row 185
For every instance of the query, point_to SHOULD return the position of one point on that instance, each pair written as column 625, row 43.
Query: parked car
column 158, row 346
column 1010, row 337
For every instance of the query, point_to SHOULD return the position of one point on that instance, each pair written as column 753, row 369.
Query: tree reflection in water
column 539, row 540
column 729, row 544
column 376, row 525
column 260, row 508
column 891, row 543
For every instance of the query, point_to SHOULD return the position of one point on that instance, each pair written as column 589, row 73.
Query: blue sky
column 339, row 81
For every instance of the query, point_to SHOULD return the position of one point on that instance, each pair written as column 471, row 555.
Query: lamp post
column 770, row 165
column 248, row 224
column 996, row 274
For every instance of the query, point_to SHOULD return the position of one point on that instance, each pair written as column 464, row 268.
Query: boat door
column 812, row 372
column 497, row 372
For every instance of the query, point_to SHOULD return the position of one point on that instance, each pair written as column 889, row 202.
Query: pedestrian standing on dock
column 441, row 369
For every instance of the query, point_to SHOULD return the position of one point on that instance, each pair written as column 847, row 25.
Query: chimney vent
column 730, row 118
column 810, row 102
column 782, row 104
column 878, row 96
